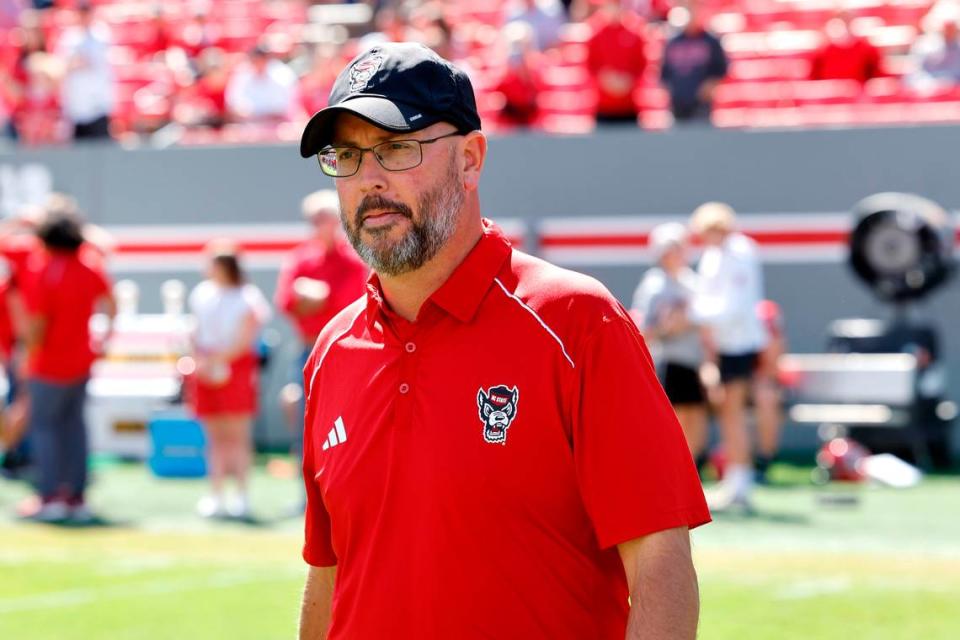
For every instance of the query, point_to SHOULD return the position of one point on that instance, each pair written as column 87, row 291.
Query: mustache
column 379, row 202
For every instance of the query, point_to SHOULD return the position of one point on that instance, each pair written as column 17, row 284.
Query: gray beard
column 438, row 210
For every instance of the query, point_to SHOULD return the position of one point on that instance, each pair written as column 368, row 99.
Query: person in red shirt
column 487, row 452
column 320, row 277
column 521, row 80
column 616, row 60
column 61, row 293
column 845, row 55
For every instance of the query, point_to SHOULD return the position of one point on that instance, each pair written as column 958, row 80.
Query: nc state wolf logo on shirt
column 498, row 408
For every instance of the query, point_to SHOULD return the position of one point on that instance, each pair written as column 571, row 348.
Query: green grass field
column 887, row 567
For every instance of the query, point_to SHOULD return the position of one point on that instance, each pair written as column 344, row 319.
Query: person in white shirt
column 545, row 17
column 262, row 90
column 224, row 386
column 729, row 290
column 87, row 90
column 662, row 306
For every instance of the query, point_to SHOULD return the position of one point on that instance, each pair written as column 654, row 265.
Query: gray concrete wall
column 532, row 177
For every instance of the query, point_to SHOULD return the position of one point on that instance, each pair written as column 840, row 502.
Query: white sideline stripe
column 538, row 319
column 341, row 432
column 79, row 597
column 323, row 356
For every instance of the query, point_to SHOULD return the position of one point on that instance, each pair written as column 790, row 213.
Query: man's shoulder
column 340, row 324
column 572, row 298
column 741, row 245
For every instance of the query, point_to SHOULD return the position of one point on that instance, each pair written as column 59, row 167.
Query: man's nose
column 371, row 174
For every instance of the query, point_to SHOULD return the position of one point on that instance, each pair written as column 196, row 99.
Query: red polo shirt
column 471, row 473
column 63, row 291
column 339, row 267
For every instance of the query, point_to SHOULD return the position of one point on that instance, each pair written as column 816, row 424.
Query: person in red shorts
column 229, row 314
column 62, row 289
column 487, row 451
column 616, row 60
column 845, row 55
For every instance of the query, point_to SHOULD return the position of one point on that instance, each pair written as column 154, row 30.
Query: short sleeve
column 635, row 471
column 257, row 303
column 317, row 546
column 644, row 297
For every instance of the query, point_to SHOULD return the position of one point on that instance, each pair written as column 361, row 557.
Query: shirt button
column 410, row 347
column 404, row 387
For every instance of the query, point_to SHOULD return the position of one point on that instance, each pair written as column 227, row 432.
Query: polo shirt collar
column 461, row 295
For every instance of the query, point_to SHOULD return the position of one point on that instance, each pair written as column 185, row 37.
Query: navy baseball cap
column 397, row 86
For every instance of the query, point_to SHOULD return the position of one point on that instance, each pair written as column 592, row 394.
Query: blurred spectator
column 263, row 89
column 229, row 314
column 87, row 95
column 693, row 65
column 616, row 61
column 729, row 289
column 10, row 12
column 61, row 292
column 28, row 38
column 320, row 277
column 315, row 85
column 35, row 113
column 431, row 27
column 845, row 55
column 520, row 83
column 159, row 40
column 391, row 24
column 767, row 394
column 937, row 58
column 197, row 35
column 545, row 18
column 662, row 303
column 203, row 102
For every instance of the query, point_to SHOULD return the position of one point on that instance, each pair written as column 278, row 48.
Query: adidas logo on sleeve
column 337, row 435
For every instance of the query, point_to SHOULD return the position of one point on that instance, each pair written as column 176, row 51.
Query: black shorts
column 738, row 367
column 682, row 385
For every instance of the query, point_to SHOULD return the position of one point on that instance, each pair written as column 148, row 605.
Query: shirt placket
column 410, row 337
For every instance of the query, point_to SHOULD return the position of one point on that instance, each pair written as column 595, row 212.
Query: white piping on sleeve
column 320, row 360
column 539, row 320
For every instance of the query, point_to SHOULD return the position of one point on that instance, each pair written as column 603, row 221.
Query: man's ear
column 473, row 156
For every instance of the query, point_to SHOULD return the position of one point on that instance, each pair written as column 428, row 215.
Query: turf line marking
column 77, row 597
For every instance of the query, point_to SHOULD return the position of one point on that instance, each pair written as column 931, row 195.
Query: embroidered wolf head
column 497, row 408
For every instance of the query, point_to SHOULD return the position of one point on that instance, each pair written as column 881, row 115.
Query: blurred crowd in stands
column 195, row 71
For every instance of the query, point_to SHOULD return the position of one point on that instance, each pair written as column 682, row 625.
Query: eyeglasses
column 393, row 155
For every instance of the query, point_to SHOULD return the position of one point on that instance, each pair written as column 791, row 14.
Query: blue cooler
column 177, row 445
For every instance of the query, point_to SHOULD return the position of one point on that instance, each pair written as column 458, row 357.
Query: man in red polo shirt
column 487, row 451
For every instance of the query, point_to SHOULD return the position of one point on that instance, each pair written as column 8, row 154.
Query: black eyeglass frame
column 372, row 150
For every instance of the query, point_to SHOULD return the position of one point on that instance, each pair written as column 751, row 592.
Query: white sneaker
column 81, row 514
column 55, row 511
column 210, row 507
column 239, row 507
column 723, row 499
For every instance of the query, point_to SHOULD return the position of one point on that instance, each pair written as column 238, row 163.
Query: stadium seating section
column 769, row 43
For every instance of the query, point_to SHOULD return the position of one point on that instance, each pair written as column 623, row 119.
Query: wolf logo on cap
column 362, row 73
